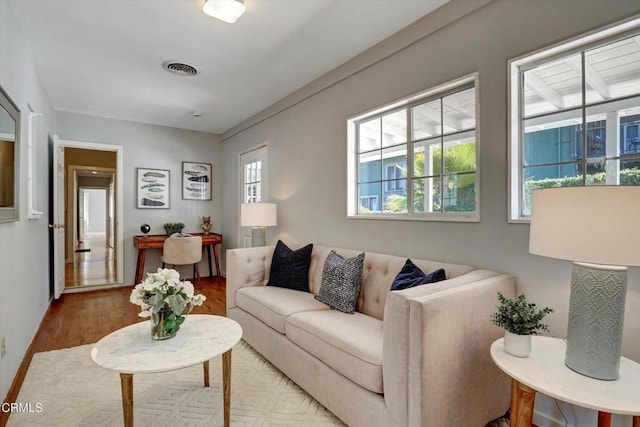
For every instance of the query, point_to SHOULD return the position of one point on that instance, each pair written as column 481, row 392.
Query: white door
column 253, row 185
column 58, row 218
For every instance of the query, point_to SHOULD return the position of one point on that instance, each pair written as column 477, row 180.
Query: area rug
column 71, row 390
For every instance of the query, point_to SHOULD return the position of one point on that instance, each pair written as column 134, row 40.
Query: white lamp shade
column 225, row 10
column 258, row 215
column 598, row 224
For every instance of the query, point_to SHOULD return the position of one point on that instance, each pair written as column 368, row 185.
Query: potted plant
column 173, row 227
column 520, row 319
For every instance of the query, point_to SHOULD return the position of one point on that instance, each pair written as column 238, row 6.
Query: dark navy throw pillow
column 289, row 268
column 411, row 276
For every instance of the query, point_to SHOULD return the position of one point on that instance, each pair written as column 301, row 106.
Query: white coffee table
column 131, row 350
column 544, row 371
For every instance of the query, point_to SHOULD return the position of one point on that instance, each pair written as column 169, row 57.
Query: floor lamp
column 258, row 216
column 596, row 228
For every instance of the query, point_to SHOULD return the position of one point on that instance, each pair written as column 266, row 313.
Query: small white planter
column 517, row 345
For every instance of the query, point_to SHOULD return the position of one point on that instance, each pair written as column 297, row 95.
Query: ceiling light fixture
column 225, row 10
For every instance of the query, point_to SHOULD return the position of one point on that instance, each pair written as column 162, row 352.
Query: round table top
column 544, row 371
column 200, row 338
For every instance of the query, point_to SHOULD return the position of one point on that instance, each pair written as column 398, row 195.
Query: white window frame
column 352, row 156
column 515, row 69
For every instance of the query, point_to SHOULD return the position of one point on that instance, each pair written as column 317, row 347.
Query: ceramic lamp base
column 596, row 316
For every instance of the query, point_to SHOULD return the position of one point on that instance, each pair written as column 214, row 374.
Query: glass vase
column 158, row 323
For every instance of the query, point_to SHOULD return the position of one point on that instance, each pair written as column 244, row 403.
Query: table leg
column 522, row 400
column 205, row 367
column 636, row 421
column 226, row 386
column 209, row 259
column 215, row 256
column 142, row 255
column 126, row 383
column 604, row 419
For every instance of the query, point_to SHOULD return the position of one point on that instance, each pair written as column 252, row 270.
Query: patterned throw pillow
column 411, row 276
column 341, row 280
column 289, row 268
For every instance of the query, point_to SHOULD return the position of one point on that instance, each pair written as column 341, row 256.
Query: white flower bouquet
column 164, row 298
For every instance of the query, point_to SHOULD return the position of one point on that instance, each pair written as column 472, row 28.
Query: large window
column 417, row 158
column 575, row 115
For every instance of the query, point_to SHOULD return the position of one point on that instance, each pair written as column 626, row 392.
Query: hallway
column 93, row 263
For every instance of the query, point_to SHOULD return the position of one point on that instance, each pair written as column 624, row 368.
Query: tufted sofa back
column 379, row 270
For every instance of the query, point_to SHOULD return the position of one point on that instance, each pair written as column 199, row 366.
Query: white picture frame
column 196, row 181
column 152, row 188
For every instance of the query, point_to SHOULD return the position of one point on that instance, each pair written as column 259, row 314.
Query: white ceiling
column 103, row 57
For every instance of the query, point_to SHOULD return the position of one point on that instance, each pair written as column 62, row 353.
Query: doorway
column 87, row 196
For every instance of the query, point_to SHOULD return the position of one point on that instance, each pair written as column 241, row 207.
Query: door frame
column 118, row 149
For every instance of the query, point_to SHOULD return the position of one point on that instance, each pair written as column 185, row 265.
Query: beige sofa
column 416, row 357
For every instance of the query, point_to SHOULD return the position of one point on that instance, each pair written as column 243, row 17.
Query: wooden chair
column 183, row 251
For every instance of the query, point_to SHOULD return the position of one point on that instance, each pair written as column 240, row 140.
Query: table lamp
column 259, row 216
column 596, row 228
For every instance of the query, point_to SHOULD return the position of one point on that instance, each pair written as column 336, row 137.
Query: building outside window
column 417, row 158
column 575, row 114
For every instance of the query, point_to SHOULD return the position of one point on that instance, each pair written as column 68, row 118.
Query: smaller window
column 417, row 158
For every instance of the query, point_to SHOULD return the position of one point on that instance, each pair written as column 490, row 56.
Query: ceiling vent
column 180, row 68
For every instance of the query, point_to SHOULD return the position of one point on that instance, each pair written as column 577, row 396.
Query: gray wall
column 24, row 266
column 307, row 145
column 158, row 147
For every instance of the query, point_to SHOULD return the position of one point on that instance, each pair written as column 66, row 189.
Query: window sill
column 452, row 217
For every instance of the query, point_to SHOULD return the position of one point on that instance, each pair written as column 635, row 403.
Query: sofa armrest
column 437, row 366
column 247, row 267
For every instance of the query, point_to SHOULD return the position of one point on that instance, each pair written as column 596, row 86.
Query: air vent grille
column 180, row 68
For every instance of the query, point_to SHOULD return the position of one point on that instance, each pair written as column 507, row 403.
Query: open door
column 58, row 218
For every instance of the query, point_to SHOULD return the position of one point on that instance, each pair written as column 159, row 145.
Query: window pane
column 613, row 70
column 369, row 167
column 459, row 111
column 369, row 196
column 630, row 131
column 424, row 161
column 553, row 86
column 460, row 153
column 427, row 120
column 369, row 135
column 459, row 193
column 566, row 175
column 427, row 194
column 395, row 200
column 630, row 172
column 394, row 128
column 553, row 139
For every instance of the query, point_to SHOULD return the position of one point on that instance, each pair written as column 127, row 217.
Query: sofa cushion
column 411, row 276
column 289, row 268
column 351, row 344
column 273, row 305
column 341, row 280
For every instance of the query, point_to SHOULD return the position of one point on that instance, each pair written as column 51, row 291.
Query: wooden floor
column 83, row 318
column 93, row 263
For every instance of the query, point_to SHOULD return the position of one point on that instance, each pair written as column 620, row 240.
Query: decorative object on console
column 225, row 10
column 289, row 268
column 258, row 216
column 152, row 188
column 165, row 299
column 173, row 227
column 145, row 229
column 206, row 224
column 196, row 181
column 411, row 275
column 596, row 228
column 520, row 319
column 341, row 280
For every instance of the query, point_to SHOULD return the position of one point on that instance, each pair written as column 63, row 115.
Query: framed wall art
column 152, row 188
column 196, row 181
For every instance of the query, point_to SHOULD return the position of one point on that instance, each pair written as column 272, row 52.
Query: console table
column 156, row 241
column 544, row 371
